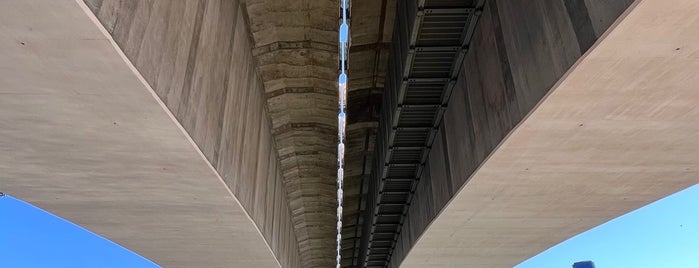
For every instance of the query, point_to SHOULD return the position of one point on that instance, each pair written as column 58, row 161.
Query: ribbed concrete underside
column 295, row 46
column 297, row 56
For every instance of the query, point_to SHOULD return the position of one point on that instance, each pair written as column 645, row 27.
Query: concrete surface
column 519, row 50
column 197, row 56
column 177, row 46
column 616, row 133
column 82, row 137
column 295, row 47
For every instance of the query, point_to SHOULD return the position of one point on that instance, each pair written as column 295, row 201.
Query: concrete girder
column 295, row 47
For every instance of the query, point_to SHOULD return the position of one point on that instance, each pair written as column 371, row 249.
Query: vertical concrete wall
column 197, row 57
column 519, row 51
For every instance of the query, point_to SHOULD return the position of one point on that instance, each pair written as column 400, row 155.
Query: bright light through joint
column 342, row 92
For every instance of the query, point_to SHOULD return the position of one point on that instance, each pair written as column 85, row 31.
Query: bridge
column 479, row 132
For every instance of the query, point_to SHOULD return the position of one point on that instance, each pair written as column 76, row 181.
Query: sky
column 31, row 237
column 342, row 101
column 663, row 234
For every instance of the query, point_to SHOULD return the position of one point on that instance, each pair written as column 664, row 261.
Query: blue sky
column 31, row 237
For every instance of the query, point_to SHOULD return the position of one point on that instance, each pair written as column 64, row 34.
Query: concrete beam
column 295, row 47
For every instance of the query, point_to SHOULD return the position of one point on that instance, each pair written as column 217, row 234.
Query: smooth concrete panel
column 616, row 133
column 197, row 55
column 82, row 137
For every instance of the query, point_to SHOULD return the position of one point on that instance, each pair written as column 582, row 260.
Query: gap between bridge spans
column 342, row 96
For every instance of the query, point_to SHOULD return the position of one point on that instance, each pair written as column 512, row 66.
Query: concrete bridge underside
column 252, row 83
column 294, row 52
column 617, row 132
